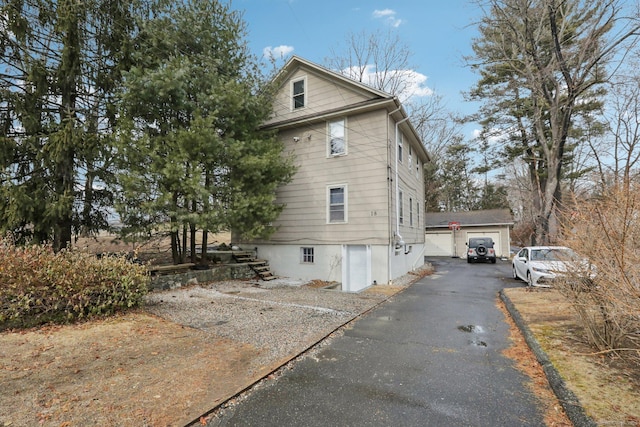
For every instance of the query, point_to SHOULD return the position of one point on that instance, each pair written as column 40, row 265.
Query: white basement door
column 356, row 268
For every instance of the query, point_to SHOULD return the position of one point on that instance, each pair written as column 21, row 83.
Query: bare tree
column 379, row 59
column 624, row 123
column 383, row 61
column 542, row 63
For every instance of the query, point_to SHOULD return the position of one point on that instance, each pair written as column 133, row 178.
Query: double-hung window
column 337, row 204
column 298, row 93
column 410, row 212
column 410, row 159
column 400, row 146
column 400, row 208
column 337, row 138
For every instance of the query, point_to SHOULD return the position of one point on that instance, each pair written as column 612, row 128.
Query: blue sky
column 438, row 33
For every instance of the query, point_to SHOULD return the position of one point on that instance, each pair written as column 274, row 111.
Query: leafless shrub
column 605, row 288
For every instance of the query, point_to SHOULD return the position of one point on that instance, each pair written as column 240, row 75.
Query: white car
column 541, row 265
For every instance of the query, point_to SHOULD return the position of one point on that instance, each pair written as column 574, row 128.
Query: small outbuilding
column 446, row 233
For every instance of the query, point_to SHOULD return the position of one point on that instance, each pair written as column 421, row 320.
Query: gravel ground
column 280, row 318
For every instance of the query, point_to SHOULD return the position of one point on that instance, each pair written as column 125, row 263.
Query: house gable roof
column 366, row 98
column 471, row 218
column 296, row 62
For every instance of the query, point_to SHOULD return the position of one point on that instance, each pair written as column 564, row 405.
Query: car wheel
column 529, row 280
column 493, row 260
column 515, row 275
column 468, row 260
column 481, row 250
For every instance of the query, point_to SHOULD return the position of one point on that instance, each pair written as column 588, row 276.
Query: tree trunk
column 183, row 255
column 175, row 242
column 192, row 230
column 64, row 153
column 204, row 260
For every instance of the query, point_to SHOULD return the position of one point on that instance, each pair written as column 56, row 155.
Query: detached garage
column 446, row 233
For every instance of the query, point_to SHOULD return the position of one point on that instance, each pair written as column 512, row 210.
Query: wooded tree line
column 151, row 109
column 147, row 108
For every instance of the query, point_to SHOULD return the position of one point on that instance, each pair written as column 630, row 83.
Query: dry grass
column 607, row 387
column 128, row 370
column 156, row 250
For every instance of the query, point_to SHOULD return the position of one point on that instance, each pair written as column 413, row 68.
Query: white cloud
column 383, row 13
column 416, row 84
column 413, row 83
column 389, row 16
column 278, row 52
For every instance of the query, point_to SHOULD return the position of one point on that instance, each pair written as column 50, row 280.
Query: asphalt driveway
column 430, row 356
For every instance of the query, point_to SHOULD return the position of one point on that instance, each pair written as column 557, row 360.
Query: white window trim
column 304, row 94
column 400, row 146
column 346, row 145
column 346, row 203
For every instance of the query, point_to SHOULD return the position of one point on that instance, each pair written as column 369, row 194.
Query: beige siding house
column 354, row 208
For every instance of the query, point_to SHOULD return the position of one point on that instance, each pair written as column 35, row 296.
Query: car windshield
column 552, row 254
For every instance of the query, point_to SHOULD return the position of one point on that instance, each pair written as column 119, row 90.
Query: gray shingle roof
column 471, row 218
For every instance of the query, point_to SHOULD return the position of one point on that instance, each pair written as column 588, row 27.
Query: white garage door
column 495, row 235
column 439, row 244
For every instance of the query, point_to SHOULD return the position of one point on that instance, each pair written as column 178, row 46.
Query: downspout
column 389, row 176
column 399, row 241
column 397, row 238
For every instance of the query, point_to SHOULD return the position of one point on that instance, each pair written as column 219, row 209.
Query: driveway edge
column 203, row 417
column 569, row 401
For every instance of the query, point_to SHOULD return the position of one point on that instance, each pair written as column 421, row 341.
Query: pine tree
column 61, row 62
column 542, row 63
column 192, row 154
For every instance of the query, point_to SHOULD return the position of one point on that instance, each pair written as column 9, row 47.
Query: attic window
column 298, row 93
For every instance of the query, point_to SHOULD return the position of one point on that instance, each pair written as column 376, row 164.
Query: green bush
column 39, row 286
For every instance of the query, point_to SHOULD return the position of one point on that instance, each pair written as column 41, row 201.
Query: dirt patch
column 130, row 370
column 384, row 290
column 608, row 389
column 319, row 284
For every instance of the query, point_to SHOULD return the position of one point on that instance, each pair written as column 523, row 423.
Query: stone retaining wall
column 222, row 272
